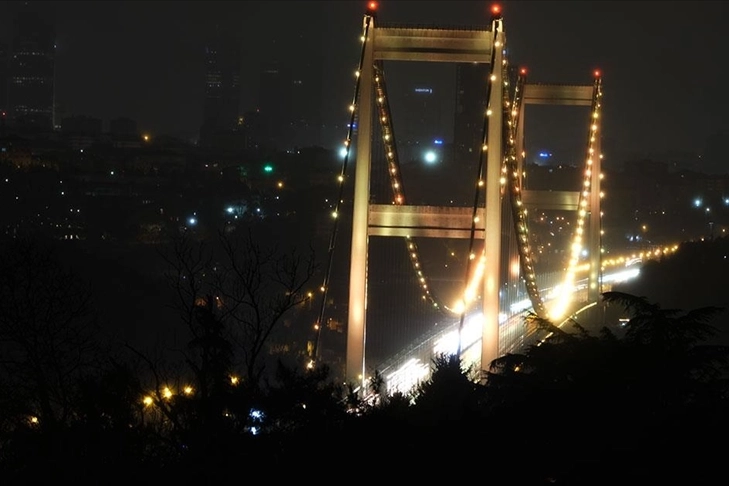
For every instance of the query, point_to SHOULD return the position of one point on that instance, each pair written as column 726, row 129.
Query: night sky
column 663, row 62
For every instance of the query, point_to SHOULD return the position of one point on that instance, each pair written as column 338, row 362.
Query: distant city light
column 192, row 221
column 430, row 157
column 343, row 152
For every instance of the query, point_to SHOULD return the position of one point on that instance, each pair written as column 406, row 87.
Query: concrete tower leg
column 595, row 226
column 356, row 335
column 492, row 241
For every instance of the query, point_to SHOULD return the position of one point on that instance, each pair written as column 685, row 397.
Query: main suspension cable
column 335, row 225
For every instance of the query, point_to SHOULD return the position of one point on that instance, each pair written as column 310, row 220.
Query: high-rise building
column 4, row 79
column 306, row 101
column 254, row 130
column 471, row 90
column 32, row 71
column 289, row 103
column 274, row 103
column 421, row 124
column 221, row 108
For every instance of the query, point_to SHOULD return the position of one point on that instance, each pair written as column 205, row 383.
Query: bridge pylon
column 429, row 45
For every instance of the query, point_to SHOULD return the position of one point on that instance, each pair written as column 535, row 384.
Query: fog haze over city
column 145, row 61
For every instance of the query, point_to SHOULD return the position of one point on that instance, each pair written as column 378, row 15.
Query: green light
column 268, row 168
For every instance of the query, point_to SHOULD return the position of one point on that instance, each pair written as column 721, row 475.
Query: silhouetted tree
column 449, row 395
column 672, row 360
column 49, row 344
column 259, row 285
column 48, row 332
column 250, row 286
column 615, row 395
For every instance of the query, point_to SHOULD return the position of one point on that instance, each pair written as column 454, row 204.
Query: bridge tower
column 569, row 95
column 430, row 45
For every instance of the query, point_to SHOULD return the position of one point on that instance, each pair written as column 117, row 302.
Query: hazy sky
column 663, row 62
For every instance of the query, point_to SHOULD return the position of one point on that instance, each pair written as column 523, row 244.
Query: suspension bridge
column 475, row 257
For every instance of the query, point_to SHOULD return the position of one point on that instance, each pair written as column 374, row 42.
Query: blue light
column 545, row 155
column 438, row 141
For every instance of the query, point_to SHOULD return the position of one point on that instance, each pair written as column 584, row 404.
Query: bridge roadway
column 404, row 371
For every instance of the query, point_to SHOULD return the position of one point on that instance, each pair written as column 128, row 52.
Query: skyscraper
column 221, row 108
column 289, row 103
column 274, row 103
column 421, row 123
column 471, row 103
column 32, row 71
column 4, row 78
column 306, row 102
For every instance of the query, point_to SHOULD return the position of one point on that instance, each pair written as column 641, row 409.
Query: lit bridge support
column 568, row 95
column 433, row 45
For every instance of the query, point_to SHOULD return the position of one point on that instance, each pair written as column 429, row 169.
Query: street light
column 430, row 157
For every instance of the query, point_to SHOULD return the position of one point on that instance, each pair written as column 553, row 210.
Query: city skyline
column 145, row 60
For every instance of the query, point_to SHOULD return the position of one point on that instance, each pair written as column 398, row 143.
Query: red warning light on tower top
column 597, row 73
column 372, row 6
column 523, row 71
column 496, row 9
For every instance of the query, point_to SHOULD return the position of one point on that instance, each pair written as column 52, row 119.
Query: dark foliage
column 644, row 403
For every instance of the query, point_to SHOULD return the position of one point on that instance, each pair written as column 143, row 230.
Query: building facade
column 471, row 103
column 4, row 81
column 31, row 87
column 221, row 108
